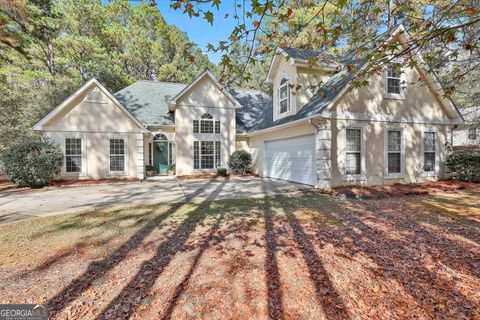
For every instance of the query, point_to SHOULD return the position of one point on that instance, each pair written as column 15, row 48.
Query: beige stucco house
column 314, row 129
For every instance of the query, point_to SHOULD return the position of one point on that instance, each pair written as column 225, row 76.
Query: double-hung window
column 206, row 154
column 429, row 151
column 206, row 124
column 284, row 96
column 394, row 153
column 353, row 152
column 73, row 155
column 117, row 155
column 394, row 82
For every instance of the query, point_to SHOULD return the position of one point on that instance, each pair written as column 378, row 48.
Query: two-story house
column 315, row 129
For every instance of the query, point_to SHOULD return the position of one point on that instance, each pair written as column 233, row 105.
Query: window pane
column 207, row 148
column 218, row 156
column 207, row 162
column 196, row 155
column 353, row 163
column 117, row 146
column 170, row 153
column 472, row 134
column 283, row 106
column 206, row 126
column 73, row 146
column 429, row 141
column 394, row 70
column 394, row 165
column 195, row 126
column 393, row 85
column 429, row 161
column 283, row 92
column 217, row 127
column 73, row 163
column 354, row 139
column 207, row 116
column 394, row 140
column 117, row 163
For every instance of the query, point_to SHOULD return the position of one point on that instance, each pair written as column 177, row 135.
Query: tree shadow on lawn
column 126, row 302
column 97, row 269
column 403, row 258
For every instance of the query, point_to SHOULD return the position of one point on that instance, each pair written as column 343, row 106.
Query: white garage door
column 291, row 159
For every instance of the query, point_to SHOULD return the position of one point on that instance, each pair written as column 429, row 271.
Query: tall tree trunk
column 390, row 15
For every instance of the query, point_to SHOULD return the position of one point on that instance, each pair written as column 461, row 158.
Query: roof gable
column 68, row 106
column 206, row 75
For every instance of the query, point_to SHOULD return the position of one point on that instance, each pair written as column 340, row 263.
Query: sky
column 198, row 29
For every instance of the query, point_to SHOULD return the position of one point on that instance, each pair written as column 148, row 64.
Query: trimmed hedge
column 240, row 162
column 33, row 163
column 465, row 165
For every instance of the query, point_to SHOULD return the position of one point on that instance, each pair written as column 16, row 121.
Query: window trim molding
column 83, row 139
column 435, row 173
column 288, row 99
column 215, row 167
column 401, row 174
column 362, row 175
column 126, row 155
column 394, row 96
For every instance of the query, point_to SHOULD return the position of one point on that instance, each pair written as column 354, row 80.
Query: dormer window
column 284, row 96
column 96, row 96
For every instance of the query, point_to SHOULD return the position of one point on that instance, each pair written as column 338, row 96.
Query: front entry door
column 160, row 156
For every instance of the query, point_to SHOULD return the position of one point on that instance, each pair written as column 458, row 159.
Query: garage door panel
column 291, row 159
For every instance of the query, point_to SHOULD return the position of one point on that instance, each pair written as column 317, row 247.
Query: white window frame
column 126, row 156
column 203, row 120
column 96, row 90
column 401, row 174
column 287, row 98
column 388, row 95
column 216, row 164
column 83, row 155
column 436, row 170
column 362, row 175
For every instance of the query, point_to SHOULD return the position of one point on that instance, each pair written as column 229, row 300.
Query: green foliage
column 32, row 163
column 222, row 171
column 465, row 165
column 240, row 162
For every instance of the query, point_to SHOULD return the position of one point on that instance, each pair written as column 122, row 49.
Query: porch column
column 324, row 154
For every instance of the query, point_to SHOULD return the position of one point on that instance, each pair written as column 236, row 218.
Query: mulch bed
column 399, row 189
column 90, row 182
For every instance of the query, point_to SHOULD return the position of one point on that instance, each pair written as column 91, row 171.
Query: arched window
column 206, row 124
column 160, row 137
column 284, row 96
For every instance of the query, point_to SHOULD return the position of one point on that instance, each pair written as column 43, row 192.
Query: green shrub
column 222, row 171
column 465, row 165
column 32, row 164
column 240, row 161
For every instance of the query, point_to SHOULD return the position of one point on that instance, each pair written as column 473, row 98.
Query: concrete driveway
column 30, row 203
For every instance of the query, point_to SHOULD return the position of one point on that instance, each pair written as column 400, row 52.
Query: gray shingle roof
column 303, row 54
column 148, row 101
column 257, row 111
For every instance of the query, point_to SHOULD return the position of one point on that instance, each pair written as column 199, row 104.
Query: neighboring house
column 316, row 129
column 467, row 136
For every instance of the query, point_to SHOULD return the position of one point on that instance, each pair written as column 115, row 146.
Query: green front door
column 160, row 156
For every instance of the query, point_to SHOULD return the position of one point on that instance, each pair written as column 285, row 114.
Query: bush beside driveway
column 300, row 256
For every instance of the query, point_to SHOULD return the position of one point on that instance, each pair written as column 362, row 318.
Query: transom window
column 117, row 155
column 206, row 125
column 394, row 149
column 206, row 154
column 73, row 155
column 353, row 151
column 394, row 78
column 429, row 151
column 284, row 96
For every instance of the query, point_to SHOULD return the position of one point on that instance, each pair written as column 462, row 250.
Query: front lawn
column 309, row 256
